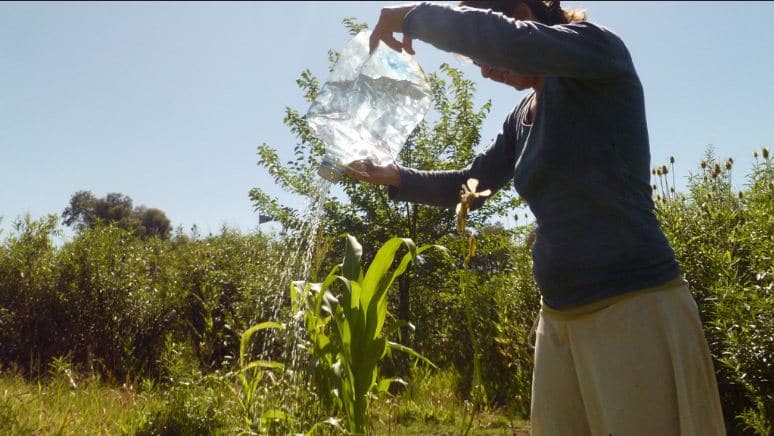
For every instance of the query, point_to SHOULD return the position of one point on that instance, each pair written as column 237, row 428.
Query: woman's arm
column 580, row 50
column 493, row 168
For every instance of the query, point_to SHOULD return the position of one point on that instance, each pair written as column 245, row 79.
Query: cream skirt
column 633, row 365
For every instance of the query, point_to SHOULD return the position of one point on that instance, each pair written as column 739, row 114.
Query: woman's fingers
column 407, row 45
column 388, row 39
column 361, row 170
column 390, row 22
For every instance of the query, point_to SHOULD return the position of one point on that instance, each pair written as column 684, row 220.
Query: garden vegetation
column 158, row 332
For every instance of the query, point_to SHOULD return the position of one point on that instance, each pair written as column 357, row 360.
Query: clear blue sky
column 166, row 102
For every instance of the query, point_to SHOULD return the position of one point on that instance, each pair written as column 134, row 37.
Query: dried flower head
column 664, row 170
column 671, row 159
column 703, row 164
column 755, row 154
column 765, row 153
column 729, row 165
column 467, row 195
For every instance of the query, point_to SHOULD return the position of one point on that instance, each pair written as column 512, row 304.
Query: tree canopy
column 86, row 211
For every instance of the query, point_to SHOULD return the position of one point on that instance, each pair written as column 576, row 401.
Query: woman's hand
column 365, row 171
column 391, row 21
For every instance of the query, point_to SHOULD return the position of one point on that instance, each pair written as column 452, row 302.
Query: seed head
column 765, row 153
column 653, row 171
column 728, row 165
column 664, row 170
column 672, row 189
column 703, row 164
column 741, row 195
column 671, row 159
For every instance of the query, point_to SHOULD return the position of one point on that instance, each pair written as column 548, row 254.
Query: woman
column 620, row 348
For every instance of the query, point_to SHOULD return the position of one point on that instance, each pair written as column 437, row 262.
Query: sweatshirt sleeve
column 493, row 168
column 580, row 50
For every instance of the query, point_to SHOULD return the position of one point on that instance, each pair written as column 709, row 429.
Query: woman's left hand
column 391, row 21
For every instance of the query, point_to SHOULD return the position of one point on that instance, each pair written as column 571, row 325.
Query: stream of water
column 294, row 264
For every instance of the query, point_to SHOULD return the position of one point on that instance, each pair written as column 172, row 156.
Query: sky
column 166, row 102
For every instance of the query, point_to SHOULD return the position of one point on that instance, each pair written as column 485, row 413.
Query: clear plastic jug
column 368, row 106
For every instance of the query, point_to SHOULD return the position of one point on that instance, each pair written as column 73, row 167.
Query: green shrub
column 504, row 303
column 31, row 315
column 723, row 240
column 225, row 283
column 120, row 298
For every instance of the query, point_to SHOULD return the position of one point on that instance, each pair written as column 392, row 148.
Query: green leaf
column 385, row 383
column 380, row 265
column 410, row 351
column 262, row 364
column 379, row 303
column 333, row 422
column 274, row 415
column 248, row 334
column 353, row 251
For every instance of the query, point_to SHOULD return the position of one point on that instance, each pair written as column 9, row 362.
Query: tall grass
column 64, row 404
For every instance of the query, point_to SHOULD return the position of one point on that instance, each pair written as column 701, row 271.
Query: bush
column 504, row 303
column 31, row 310
column 724, row 243
column 120, row 298
column 226, row 289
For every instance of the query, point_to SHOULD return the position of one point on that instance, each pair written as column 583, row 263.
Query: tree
column 448, row 143
column 86, row 211
column 153, row 222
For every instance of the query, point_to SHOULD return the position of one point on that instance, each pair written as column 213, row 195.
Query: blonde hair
column 545, row 11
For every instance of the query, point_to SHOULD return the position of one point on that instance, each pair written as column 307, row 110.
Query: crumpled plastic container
column 368, row 107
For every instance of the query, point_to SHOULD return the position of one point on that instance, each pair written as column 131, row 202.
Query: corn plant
column 345, row 331
column 249, row 378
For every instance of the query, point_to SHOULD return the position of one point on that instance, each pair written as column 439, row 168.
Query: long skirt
column 638, row 364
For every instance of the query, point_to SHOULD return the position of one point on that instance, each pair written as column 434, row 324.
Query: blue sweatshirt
column 582, row 166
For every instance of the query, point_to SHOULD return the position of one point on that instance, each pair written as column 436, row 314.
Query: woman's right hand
column 390, row 22
column 366, row 171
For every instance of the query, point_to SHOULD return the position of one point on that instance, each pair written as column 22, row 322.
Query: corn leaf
column 405, row 349
column 353, row 251
column 385, row 383
column 248, row 334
